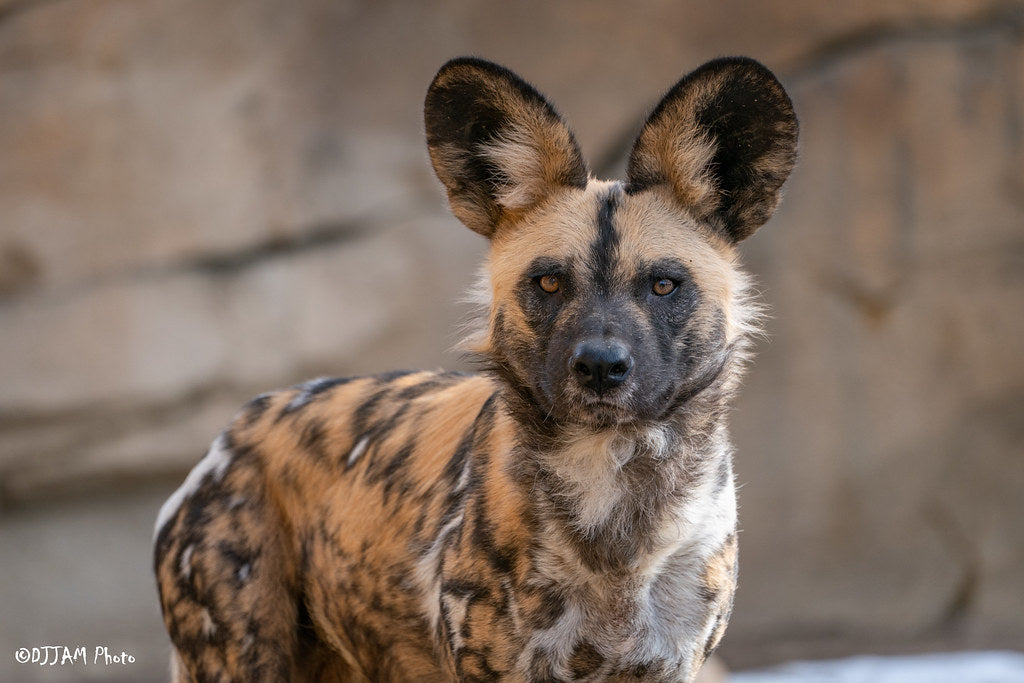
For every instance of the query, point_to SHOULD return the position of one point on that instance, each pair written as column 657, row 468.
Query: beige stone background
column 201, row 200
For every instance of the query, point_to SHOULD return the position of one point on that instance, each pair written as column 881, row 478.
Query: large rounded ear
column 723, row 140
column 495, row 142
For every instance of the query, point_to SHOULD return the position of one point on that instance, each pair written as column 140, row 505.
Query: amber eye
column 549, row 283
column 663, row 287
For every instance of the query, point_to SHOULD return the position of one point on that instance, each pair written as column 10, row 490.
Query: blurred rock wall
column 202, row 200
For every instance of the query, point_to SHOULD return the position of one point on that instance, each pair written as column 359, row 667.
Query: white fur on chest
column 589, row 468
column 657, row 608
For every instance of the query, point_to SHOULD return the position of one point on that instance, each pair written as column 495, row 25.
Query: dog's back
column 568, row 515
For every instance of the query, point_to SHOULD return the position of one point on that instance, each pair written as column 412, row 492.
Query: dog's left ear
column 496, row 143
column 723, row 140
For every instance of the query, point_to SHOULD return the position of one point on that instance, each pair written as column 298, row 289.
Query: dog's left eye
column 549, row 283
column 663, row 286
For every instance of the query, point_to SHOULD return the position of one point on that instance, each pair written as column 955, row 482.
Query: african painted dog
column 570, row 513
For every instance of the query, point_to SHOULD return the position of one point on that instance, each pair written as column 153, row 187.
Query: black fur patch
column 604, row 250
column 585, row 660
column 552, row 606
column 304, row 394
column 312, row 441
column 254, row 409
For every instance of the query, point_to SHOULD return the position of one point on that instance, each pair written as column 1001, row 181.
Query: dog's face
column 609, row 307
column 613, row 303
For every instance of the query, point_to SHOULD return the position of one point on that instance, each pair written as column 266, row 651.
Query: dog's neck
column 620, row 500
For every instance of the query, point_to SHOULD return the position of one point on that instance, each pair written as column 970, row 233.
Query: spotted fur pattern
column 567, row 515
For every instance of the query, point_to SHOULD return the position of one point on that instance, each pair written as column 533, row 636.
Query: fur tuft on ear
column 724, row 141
column 496, row 144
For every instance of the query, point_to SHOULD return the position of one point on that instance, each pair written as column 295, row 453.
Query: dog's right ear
column 496, row 144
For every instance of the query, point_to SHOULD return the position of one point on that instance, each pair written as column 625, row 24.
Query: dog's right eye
column 549, row 283
column 663, row 286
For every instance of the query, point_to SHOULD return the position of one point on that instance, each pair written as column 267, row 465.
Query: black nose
column 601, row 365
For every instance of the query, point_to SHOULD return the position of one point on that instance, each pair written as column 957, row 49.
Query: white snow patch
column 944, row 667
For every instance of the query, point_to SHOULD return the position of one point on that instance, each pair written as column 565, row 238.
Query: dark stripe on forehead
column 604, row 248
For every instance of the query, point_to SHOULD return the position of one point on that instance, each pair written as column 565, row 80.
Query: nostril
column 618, row 370
column 582, row 369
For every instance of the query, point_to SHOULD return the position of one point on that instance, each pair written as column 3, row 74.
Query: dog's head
column 613, row 303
